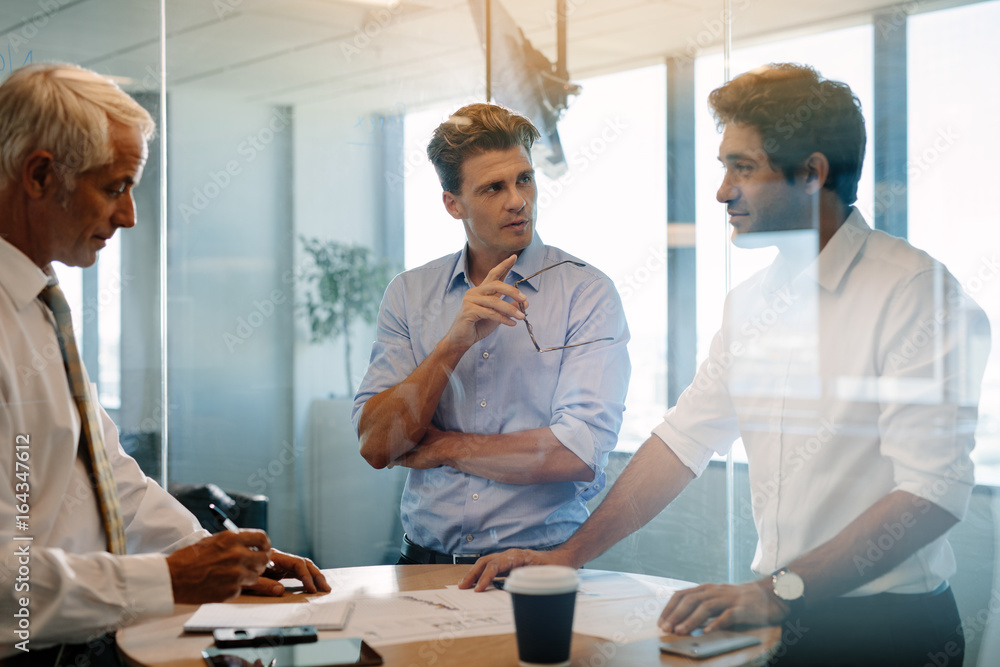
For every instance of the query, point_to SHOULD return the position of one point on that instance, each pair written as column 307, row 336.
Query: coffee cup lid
column 542, row 580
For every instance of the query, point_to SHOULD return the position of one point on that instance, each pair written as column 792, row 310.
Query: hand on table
column 219, row 567
column 216, row 568
column 289, row 565
column 753, row 603
column 482, row 572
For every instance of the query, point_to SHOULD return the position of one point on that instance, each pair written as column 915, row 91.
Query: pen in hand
column 228, row 524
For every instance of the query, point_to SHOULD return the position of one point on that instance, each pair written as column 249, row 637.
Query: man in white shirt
column 72, row 147
column 851, row 368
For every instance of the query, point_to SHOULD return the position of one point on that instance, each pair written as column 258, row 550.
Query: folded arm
column 395, row 420
column 534, row 456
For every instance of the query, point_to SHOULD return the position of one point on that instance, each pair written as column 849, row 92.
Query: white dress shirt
column 848, row 377
column 74, row 587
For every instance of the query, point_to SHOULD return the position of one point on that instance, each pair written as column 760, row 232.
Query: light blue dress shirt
column 504, row 385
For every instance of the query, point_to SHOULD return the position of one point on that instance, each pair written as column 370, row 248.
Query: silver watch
column 789, row 587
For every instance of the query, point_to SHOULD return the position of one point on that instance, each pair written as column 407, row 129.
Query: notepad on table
column 327, row 616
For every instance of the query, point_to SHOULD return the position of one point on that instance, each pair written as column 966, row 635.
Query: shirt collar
column 19, row 276
column 528, row 262
column 841, row 251
column 829, row 268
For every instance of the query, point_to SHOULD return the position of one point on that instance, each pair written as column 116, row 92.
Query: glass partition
column 287, row 126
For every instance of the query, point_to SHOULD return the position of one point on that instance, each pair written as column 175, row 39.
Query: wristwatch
column 789, row 587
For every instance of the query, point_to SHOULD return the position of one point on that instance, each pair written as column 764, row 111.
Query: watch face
column 788, row 585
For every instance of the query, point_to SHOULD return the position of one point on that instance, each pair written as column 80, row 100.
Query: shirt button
column 475, row 496
column 486, row 355
column 482, row 404
column 469, row 538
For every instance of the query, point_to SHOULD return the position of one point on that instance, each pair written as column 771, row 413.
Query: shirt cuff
column 950, row 494
column 691, row 454
column 149, row 590
column 575, row 436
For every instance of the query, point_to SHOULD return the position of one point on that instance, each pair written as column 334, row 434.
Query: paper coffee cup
column 544, row 597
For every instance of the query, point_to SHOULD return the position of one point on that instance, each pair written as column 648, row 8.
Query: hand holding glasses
column 527, row 324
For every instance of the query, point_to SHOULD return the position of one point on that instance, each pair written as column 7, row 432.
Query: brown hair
column 797, row 113
column 473, row 130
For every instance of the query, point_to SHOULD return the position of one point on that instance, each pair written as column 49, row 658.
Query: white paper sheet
column 613, row 606
column 332, row 616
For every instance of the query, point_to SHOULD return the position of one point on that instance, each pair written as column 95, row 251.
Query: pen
column 228, row 524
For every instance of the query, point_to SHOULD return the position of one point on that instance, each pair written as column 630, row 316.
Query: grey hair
column 66, row 110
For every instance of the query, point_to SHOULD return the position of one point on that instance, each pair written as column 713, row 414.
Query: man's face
column 79, row 224
column 757, row 196
column 496, row 203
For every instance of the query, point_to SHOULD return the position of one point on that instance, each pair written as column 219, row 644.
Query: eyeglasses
column 527, row 324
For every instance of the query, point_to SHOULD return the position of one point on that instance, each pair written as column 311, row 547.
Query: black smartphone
column 326, row 653
column 235, row 637
column 707, row 645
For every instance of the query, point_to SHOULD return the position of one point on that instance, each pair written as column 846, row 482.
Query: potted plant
column 344, row 284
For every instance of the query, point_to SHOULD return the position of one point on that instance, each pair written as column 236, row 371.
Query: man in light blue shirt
column 506, row 430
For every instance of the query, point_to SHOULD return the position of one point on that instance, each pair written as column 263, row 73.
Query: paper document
column 330, row 616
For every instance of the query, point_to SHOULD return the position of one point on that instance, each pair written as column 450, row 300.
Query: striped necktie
column 91, row 434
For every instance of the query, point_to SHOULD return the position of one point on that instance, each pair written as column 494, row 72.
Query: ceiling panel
column 408, row 52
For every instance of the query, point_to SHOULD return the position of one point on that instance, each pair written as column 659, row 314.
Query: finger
column 502, row 564
column 252, row 538
column 726, row 619
column 301, row 572
column 475, row 303
column 477, row 569
column 480, row 312
column 698, row 616
column 499, row 272
column 668, row 610
column 265, row 586
column 498, row 288
column 322, row 585
column 686, row 602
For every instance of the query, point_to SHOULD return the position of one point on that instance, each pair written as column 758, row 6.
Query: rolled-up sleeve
column 934, row 350
column 703, row 423
column 392, row 359
column 589, row 399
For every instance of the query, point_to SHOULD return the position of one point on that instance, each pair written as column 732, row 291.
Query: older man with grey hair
column 88, row 543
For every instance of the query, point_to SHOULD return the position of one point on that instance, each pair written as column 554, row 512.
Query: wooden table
column 162, row 642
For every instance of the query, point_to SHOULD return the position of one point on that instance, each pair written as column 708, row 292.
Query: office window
column 608, row 209
column 953, row 143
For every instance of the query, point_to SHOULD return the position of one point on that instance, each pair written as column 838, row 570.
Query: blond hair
column 473, row 130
